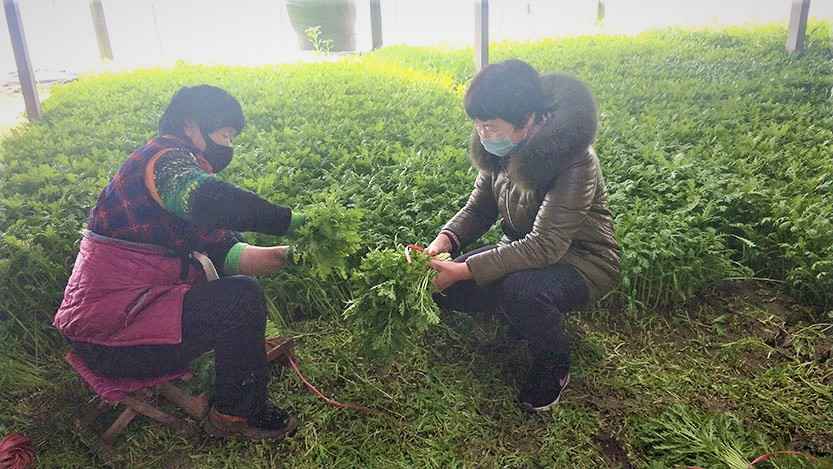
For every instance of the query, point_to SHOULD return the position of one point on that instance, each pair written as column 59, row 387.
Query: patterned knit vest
column 126, row 209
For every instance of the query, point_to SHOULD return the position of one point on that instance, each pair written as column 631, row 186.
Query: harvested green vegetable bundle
column 329, row 237
column 392, row 300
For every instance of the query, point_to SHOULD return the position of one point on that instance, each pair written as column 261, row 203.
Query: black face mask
column 219, row 156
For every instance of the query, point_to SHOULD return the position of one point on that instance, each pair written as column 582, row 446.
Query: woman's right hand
column 440, row 244
column 257, row 260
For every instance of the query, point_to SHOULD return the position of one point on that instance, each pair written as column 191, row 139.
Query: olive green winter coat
column 550, row 196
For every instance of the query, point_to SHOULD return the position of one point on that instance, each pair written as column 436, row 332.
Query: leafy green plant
column 20, row 372
column 392, row 303
column 329, row 237
column 685, row 436
column 30, row 291
column 319, row 44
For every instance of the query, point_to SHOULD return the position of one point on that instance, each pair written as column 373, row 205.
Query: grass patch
column 715, row 146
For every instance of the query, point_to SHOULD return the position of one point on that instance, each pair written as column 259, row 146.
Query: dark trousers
column 228, row 316
column 533, row 302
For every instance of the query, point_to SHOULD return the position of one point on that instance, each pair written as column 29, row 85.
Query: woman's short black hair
column 508, row 90
column 210, row 108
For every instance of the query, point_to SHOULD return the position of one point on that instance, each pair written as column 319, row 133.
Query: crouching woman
column 539, row 174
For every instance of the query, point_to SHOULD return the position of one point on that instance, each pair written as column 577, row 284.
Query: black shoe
column 271, row 423
column 544, row 388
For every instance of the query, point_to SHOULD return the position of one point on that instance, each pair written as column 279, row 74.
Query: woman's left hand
column 449, row 273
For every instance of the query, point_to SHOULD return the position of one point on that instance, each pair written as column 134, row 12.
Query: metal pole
column 376, row 22
column 105, row 49
column 21, row 58
column 156, row 28
column 481, row 34
column 798, row 26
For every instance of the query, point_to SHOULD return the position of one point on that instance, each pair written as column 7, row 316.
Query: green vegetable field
column 717, row 347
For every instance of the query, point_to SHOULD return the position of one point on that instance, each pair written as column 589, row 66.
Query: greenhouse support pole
column 105, row 49
column 21, row 58
column 481, row 34
column 376, row 23
column 798, row 26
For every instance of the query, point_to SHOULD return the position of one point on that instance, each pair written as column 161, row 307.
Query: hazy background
column 159, row 32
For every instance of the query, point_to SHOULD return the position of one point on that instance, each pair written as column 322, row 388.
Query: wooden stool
column 138, row 396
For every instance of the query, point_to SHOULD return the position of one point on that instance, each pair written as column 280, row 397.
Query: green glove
column 297, row 220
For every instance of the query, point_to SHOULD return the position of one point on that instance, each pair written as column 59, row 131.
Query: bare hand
column 440, row 244
column 255, row 260
column 449, row 273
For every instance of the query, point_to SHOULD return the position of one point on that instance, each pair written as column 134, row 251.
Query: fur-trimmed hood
column 562, row 140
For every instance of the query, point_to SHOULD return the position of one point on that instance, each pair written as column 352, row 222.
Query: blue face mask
column 499, row 146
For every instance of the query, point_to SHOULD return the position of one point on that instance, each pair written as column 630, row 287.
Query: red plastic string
column 767, row 457
column 294, row 364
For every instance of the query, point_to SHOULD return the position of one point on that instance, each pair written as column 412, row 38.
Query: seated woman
column 539, row 174
column 138, row 303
